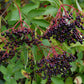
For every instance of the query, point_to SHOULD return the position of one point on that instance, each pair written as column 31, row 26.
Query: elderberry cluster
column 15, row 38
column 58, row 64
column 52, row 66
column 65, row 29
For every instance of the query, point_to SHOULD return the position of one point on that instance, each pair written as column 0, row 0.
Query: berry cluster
column 58, row 64
column 15, row 38
column 48, row 67
column 65, row 28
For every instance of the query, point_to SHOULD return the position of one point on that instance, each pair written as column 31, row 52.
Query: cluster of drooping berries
column 58, row 64
column 15, row 38
column 50, row 66
column 64, row 28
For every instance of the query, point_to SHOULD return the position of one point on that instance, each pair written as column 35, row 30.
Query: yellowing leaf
column 24, row 73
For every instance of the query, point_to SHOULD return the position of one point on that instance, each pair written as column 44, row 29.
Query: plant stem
column 19, row 14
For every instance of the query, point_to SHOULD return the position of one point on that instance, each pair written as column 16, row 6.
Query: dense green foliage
column 38, row 14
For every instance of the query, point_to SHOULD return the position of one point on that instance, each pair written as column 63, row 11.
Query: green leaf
column 81, row 69
column 40, row 22
column 11, row 81
column 69, row 80
column 7, row 78
column 0, row 23
column 57, row 3
column 56, row 80
column 43, row 81
column 29, row 7
column 50, row 10
column 24, row 54
column 65, row 46
column 82, row 76
column 13, row 15
column 3, row 69
column 38, row 79
column 67, row 2
column 17, row 67
column 2, row 82
column 78, row 5
column 27, row 82
column 18, row 75
column 45, row 42
column 80, row 55
column 38, row 31
column 36, row 12
column 12, row 22
column 10, row 68
column 18, row 3
column 13, row 59
column 3, row 28
column 37, row 52
column 34, row 82
column 34, row 51
column 27, row 21
column 45, row 51
column 74, row 67
column 77, row 44
column 53, row 2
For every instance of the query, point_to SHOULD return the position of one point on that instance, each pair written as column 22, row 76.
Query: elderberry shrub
column 65, row 29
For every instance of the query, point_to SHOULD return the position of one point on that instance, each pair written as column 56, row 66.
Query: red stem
column 49, row 54
column 54, row 52
column 58, row 13
column 19, row 15
column 15, row 24
column 64, row 9
column 74, row 9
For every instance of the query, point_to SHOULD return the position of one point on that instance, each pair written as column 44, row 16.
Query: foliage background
column 36, row 14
